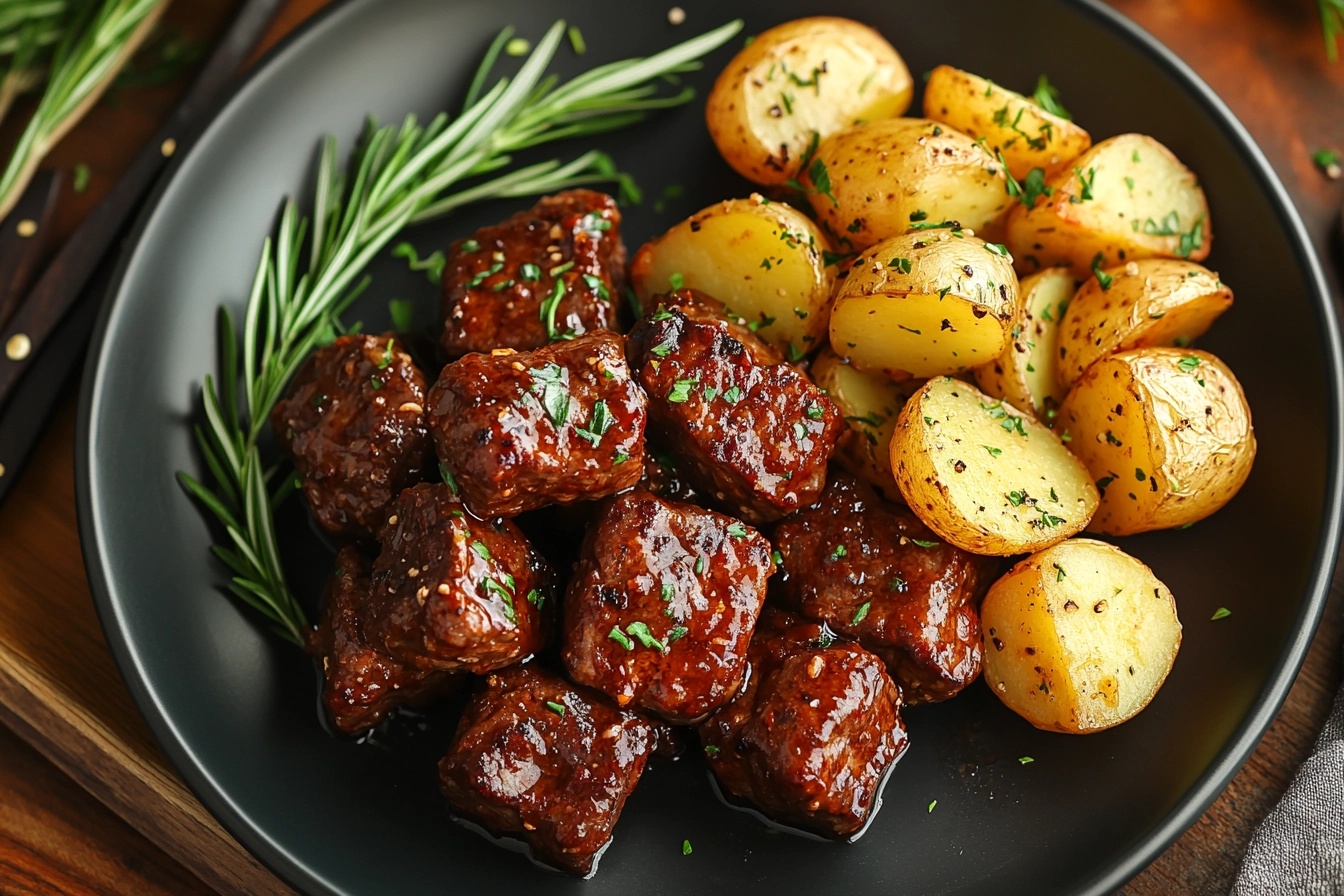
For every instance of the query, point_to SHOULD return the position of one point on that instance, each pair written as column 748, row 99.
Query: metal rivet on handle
column 168, row 147
column 18, row 347
column 26, row 228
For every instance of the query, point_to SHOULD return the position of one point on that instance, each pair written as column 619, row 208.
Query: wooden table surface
column 1264, row 57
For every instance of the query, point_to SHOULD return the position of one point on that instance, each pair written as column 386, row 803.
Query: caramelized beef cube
column 453, row 592
column 553, row 763
column 353, row 422
column 811, row 737
column 754, row 437
column 661, row 607
column 519, row 431
column 663, row 477
column 360, row 685
column 555, row 269
column 874, row 572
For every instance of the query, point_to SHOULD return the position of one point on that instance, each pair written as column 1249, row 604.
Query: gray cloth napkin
column 1298, row 850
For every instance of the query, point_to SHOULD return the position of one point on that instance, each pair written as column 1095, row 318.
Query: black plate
column 235, row 708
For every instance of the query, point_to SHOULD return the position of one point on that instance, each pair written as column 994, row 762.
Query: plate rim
column 1140, row 852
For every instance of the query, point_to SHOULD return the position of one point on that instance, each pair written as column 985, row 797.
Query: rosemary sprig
column 90, row 52
column 28, row 31
column 397, row 175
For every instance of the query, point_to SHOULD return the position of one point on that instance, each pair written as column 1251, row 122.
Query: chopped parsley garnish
column 1191, row 239
column 447, row 476
column 595, row 284
column 900, row 264
column 678, row 632
column 732, row 395
column 432, row 265
column 536, row 598
column 1060, row 574
column 470, row 246
column 932, row 805
column 549, row 306
column 1103, row 279
column 777, row 557
column 491, row 586
column 1016, row 498
column 1025, row 760
column 480, row 550
column 821, row 180
column 711, row 750
column 664, row 348
column 402, row 313
column 1085, row 183
column 598, row 423
column 1220, row 613
column 737, row 530
column 551, row 385
column 1047, row 97
column 1325, row 159
column 641, row 631
column 1034, row 187
column 619, row 637
column 561, row 268
column 840, row 551
column 861, row 613
column 676, row 280
column 386, row 360
column 480, row 276
column 814, row 412
column 699, row 564
column 557, row 708
column 919, row 215
column 375, row 382
column 686, row 844
column 993, row 452
column 922, row 543
column 529, row 271
column 681, row 391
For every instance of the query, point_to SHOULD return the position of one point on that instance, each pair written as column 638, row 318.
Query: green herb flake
column 529, row 272
column 480, row 550
column 375, row 382
column 1103, row 279
column 518, row 46
column 993, row 452
column 596, row 286
column 737, row 530
column 919, row 215
column 677, row 633
column 536, row 598
column 619, row 637
column 1025, row 760
column 1328, row 161
column 821, row 180
column 840, row 551
column 815, row 412
column 1047, row 97
column 732, row 395
column 1188, row 364
column 676, row 280
column 932, row 805
column 557, row 708
column 447, row 476
column 641, row 632
column 922, row 543
column 598, row 423
column 681, row 391
column 81, row 178
column 686, row 844
column 699, row 564
column 1060, row 574
column 861, row 613
column 1085, row 184
column 432, row 265
column 1220, row 613
column 576, row 40
column 777, row 558
column 551, row 384
column 402, row 313
column 900, row 264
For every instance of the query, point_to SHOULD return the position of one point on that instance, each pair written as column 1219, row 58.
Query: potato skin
column 925, row 303
column 886, row 175
column 770, row 101
column 1153, row 301
column 1027, row 135
column 764, row 260
column 1126, row 198
column 1166, row 434
column 1078, row 637
column 1024, row 375
column 983, row 475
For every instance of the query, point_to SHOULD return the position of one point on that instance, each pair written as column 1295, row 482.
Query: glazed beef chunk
column 360, row 685
column 560, row 263
column 453, row 592
column 872, row 571
column 811, row 737
column 753, row 436
column 353, row 422
column 662, row 605
column 551, row 762
column 519, row 431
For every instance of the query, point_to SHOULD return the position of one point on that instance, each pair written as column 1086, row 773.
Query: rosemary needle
column 396, row 176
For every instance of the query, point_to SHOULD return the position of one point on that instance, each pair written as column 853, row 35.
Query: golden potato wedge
column 985, row 476
column 797, row 81
column 1166, row 434
column 870, row 403
column 1027, row 135
column 874, row 181
column 1024, row 375
column 925, row 303
column 1079, row 637
column 1153, row 301
column 1124, row 199
column 764, row 260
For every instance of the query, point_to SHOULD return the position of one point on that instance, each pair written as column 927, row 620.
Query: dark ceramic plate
column 235, row 708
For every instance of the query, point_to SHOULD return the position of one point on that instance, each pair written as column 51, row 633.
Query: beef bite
column 353, row 423
column 453, row 592
column 361, row 685
column 872, row 571
column 812, row 735
column 555, row 269
column 751, row 434
column 662, row 605
column 553, row 763
column 519, row 431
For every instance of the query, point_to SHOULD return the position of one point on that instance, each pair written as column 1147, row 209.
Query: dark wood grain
column 1264, row 57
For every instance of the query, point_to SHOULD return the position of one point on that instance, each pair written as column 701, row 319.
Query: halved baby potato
column 1024, row 375
column 925, row 303
column 799, row 81
column 985, row 476
column 879, row 179
column 1079, row 637
column 764, row 260
column 1027, row 135
column 1153, row 301
column 1124, row 199
column 1166, row 434
column 870, row 404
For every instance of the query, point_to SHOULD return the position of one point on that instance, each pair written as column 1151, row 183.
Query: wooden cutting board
column 60, row 690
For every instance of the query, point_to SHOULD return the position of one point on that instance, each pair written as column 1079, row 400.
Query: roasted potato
column 1079, row 637
column 1124, row 199
column 1024, row 375
column 797, row 82
column 1153, row 301
column 985, row 476
column 874, row 181
column 764, row 260
column 1027, row 135
column 925, row 303
column 869, row 403
column 1166, row 434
